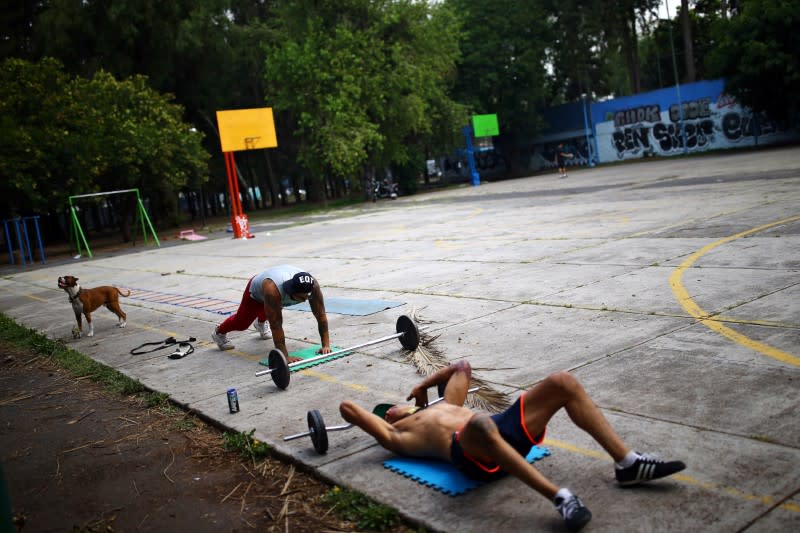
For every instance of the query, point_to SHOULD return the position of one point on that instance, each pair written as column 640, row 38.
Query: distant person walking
column 561, row 160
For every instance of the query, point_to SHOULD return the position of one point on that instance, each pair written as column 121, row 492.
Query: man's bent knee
column 480, row 436
column 564, row 381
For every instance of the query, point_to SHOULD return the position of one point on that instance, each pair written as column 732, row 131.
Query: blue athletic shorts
column 510, row 424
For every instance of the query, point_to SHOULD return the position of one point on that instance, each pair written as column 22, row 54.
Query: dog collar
column 77, row 294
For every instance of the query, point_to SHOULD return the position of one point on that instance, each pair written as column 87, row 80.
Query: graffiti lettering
column 630, row 139
column 691, row 110
column 725, row 100
column 736, row 126
column 626, row 117
column 704, row 118
column 698, row 134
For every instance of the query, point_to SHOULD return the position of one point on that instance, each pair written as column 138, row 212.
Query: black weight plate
column 319, row 435
column 280, row 369
column 410, row 334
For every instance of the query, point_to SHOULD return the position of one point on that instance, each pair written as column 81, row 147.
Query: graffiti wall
column 651, row 124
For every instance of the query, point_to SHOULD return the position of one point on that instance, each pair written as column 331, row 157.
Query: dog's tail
column 122, row 293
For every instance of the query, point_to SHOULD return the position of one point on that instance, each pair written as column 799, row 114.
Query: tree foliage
column 503, row 66
column 580, row 52
column 503, row 69
column 357, row 85
column 64, row 135
column 758, row 54
column 358, row 81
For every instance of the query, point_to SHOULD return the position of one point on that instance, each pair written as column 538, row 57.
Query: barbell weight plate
column 280, row 369
column 410, row 334
column 317, row 431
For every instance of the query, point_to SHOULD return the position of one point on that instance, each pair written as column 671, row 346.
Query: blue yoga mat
column 343, row 306
column 442, row 476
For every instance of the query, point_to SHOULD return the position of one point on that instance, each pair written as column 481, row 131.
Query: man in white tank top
column 263, row 300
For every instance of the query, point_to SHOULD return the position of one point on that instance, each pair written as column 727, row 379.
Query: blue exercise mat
column 343, row 306
column 442, row 476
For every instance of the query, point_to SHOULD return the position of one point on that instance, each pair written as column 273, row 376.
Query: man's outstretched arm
column 383, row 432
column 456, row 376
column 317, row 304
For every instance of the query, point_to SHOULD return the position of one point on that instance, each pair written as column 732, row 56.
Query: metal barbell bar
column 318, row 431
column 279, row 367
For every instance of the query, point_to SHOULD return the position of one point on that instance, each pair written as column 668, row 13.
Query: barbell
column 279, row 367
column 318, row 431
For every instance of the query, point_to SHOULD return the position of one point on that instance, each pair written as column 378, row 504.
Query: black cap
column 301, row 283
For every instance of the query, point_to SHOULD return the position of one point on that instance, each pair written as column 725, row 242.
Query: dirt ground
column 79, row 458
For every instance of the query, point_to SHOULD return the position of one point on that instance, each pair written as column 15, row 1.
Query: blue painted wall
column 650, row 124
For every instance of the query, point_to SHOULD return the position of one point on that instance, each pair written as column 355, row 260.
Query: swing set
column 141, row 216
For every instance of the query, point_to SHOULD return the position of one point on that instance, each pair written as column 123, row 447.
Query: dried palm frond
column 429, row 358
column 487, row 398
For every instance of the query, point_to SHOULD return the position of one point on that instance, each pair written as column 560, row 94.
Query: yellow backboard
column 246, row 129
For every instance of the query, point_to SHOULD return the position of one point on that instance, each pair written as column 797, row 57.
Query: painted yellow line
column 683, row 478
column 691, row 307
column 330, row 379
column 575, row 449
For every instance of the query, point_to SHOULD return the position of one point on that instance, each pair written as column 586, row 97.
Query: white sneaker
column 575, row 514
column 263, row 329
column 222, row 340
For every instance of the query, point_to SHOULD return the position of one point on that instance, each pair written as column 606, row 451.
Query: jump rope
column 183, row 348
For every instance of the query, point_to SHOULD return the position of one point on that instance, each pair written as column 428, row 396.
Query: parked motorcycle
column 384, row 189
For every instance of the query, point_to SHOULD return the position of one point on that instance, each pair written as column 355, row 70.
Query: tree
column 757, row 51
column 686, row 27
column 503, row 66
column 355, row 80
column 91, row 135
column 624, row 18
column 580, row 53
column 35, row 138
column 183, row 47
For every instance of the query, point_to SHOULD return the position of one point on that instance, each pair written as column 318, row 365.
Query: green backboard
column 485, row 125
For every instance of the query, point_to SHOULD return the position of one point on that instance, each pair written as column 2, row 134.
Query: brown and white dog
column 85, row 301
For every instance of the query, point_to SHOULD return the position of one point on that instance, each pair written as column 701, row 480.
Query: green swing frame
column 141, row 216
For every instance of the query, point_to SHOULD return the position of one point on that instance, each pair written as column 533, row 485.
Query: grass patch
column 247, row 446
column 185, row 424
column 76, row 363
column 156, row 399
column 357, row 508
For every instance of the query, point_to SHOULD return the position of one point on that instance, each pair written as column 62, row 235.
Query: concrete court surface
column 671, row 289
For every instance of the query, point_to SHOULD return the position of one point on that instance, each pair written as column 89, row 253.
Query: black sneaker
column 646, row 468
column 575, row 514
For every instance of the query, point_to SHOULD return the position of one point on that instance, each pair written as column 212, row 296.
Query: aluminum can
column 233, row 401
